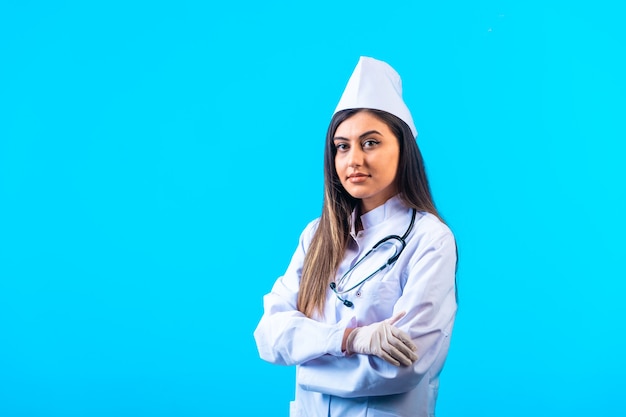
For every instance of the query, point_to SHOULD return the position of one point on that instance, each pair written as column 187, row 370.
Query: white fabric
column 376, row 85
column 421, row 282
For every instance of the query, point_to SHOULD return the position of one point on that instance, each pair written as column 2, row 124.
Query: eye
column 370, row 143
column 341, row 146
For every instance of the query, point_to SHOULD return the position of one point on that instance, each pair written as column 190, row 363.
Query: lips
column 357, row 177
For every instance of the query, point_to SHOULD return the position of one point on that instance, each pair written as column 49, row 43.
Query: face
column 367, row 159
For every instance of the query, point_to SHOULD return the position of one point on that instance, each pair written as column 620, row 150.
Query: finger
column 395, row 347
column 388, row 358
column 404, row 337
column 407, row 352
column 403, row 342
column 396, row 318
column 398, row 354
column 399, row 350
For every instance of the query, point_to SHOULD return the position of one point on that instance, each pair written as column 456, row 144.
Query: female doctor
column 366, row 307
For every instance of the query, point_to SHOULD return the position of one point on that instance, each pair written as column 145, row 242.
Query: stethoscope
column 390, row 261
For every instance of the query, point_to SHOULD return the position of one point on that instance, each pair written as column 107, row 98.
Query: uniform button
column 358, row 293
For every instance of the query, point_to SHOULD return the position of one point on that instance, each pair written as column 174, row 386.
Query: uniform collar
column 381, row 213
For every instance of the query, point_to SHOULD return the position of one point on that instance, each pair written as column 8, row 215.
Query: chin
column 356, row 194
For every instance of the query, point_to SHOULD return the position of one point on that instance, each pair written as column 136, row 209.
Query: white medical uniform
column 421, row 282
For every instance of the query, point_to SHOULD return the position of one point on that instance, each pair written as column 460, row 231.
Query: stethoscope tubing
column 389, row 262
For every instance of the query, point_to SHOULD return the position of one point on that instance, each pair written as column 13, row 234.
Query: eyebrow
column 363, row 135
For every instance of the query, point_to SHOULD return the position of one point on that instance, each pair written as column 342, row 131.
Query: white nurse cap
column 375, row 85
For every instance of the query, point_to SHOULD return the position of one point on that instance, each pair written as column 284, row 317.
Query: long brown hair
column 331, row 237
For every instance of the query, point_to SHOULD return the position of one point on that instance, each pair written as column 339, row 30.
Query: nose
column 355, row 157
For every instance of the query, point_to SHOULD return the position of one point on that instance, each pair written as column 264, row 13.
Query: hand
column 384, row 340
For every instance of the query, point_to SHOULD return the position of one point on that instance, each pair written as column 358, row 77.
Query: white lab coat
column 421, row 282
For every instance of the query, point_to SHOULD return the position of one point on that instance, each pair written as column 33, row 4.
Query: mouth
column 357, row 177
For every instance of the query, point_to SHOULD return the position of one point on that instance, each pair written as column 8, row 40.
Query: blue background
column 159, row 160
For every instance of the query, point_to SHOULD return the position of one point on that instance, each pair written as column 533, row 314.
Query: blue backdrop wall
column 158, row 161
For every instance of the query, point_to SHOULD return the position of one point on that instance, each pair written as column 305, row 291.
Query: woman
column 367, row 304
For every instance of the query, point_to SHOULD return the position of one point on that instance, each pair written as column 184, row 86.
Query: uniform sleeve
column 429, row 298
column 284, row 335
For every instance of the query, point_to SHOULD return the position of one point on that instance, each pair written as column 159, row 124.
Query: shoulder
column 429, row 229
column 431, row 241
column 309, row 231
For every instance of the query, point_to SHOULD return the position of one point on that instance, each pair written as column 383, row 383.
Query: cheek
column 391, row 167
column 338, row 164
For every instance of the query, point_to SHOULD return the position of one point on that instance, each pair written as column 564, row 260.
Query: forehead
column 360, row 123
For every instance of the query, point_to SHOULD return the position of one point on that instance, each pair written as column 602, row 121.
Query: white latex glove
column 384, row 340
